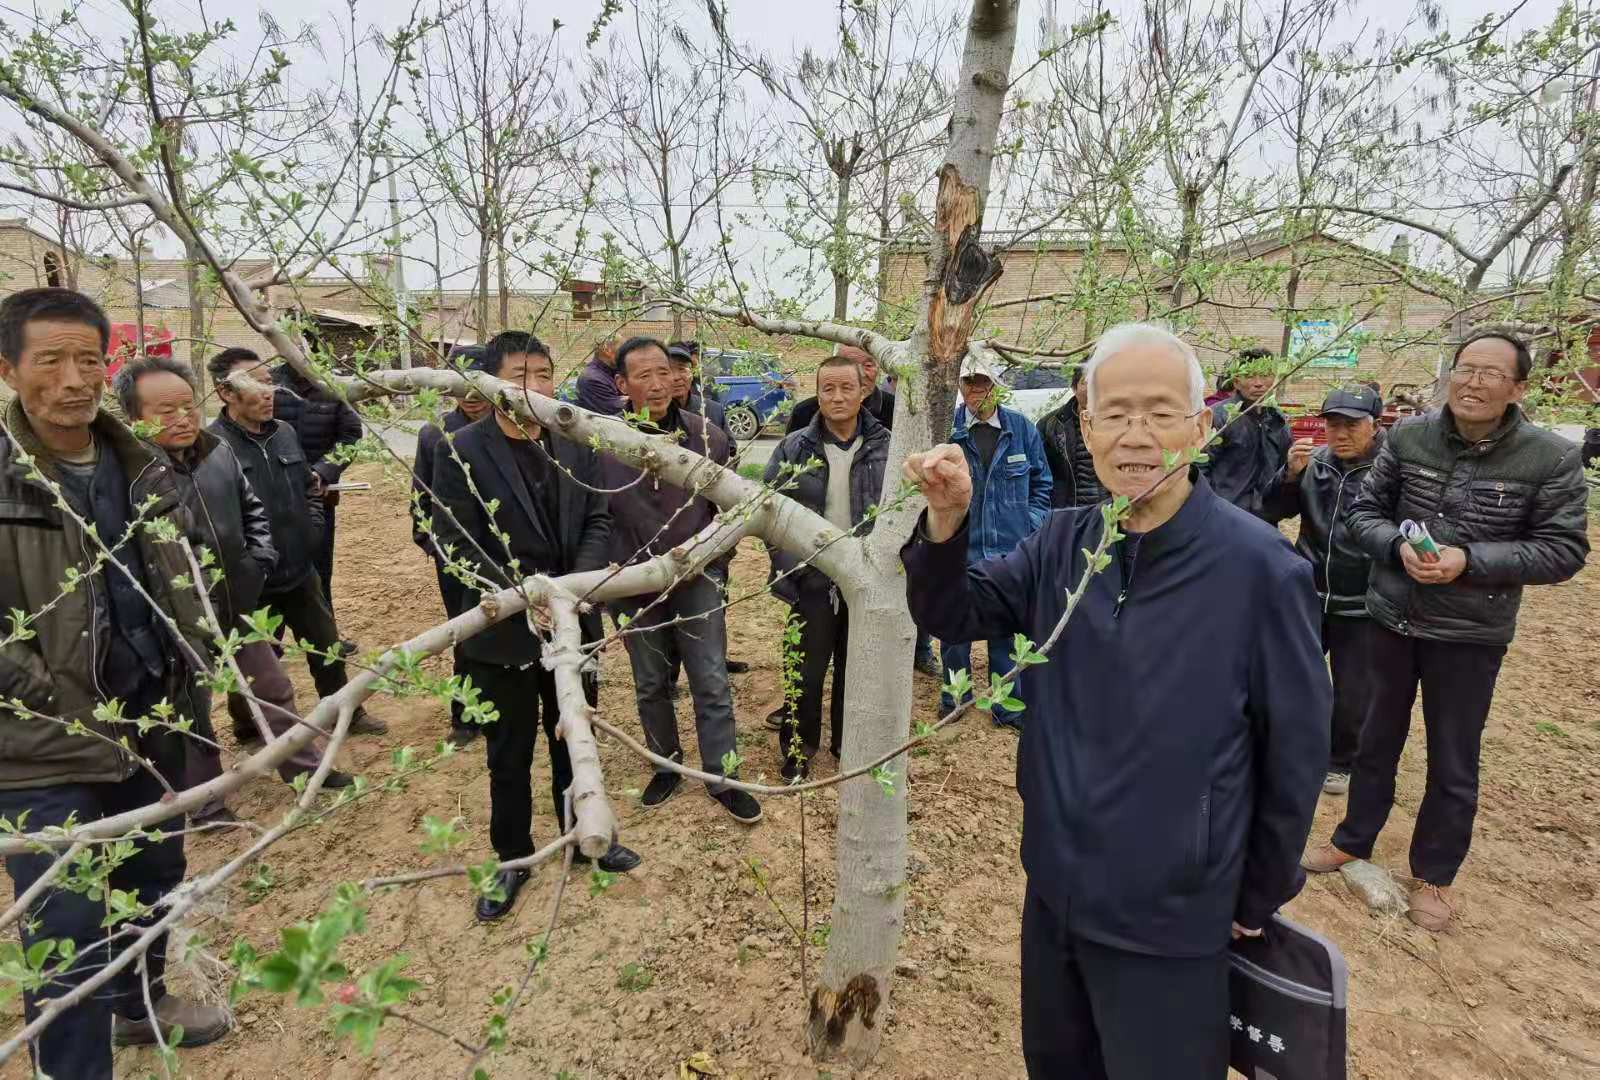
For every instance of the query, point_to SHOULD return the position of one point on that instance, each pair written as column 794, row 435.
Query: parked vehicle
column 124, row 345
column 752, row 388
column 1034, row 391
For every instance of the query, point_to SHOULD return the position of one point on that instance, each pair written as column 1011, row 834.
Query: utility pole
column 402, row 301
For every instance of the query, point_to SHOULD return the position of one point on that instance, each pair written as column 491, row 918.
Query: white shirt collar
column 993, row 421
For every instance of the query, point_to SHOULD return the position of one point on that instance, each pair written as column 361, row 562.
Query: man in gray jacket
column 1504, row 501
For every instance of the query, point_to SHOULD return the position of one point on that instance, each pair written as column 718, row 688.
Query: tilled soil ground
column 694, row 953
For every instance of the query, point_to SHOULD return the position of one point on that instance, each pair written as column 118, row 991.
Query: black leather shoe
column 461, row 736
column 512, row 882
column 618, row 860
column 662, row 786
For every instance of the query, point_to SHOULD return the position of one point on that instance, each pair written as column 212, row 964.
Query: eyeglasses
column 1488, row 376
column 1157, row 422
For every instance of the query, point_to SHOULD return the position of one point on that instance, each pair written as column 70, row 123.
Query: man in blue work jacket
column 1010, row 484
column 1170, row 773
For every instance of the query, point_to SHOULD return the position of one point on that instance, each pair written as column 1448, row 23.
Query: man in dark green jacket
column 64, row 465
column 1504, row 502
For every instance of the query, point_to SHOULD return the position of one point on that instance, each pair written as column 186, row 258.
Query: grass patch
column 632, row 978
column 751, row 471
column 1545, row 727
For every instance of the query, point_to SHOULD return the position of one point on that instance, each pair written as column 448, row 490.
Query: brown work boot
column 201, row 1024
column 1325, row 859
column 1432, row 906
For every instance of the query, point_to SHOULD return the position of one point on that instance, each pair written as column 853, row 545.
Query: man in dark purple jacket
column 597, row 382
column 651, row 517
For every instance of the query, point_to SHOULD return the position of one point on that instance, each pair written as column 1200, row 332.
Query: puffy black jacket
column 1071, row 465
column 810, row 489
column 645, row 516
column 1321, row 496
column 320, row 421
column 429, row 442
column 227, row 517
column 1513, row 500
column 1243, row 462
column 281, row 478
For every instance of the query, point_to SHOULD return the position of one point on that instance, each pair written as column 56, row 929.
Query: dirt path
column 1514, row 991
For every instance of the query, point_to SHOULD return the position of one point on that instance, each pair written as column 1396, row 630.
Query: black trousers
column 524, row 697
column 323, row 559
column 824, row 639
column 1091, row 1012
column 452, row 592
column 1457, row 681
column 1345, row 640
column 306, row 611
column 78, row 1044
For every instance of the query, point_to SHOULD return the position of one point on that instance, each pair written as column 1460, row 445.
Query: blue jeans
column 78, row 1044
column 957, row 656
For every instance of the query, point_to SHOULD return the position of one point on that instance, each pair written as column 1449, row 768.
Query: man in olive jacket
column 1504, row 501
column 65, row 464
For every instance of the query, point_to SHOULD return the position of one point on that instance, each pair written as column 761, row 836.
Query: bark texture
column 850, row 1002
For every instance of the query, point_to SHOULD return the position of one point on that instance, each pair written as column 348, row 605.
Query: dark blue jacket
column 1177, row 739
column 1012, row 500
column 1244, row 461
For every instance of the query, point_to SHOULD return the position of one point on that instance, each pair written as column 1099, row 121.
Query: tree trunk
column 505, row 285
column 884, row 218
column 840, row 261
column 197, row 321
column 1188, row 243
column 485, row 242
column 851, row 999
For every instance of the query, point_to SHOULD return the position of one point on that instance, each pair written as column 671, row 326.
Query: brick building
column 1057, row 292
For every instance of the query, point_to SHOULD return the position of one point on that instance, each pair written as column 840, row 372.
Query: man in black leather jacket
column 322, row 423
column 1504, row 502
column 276, row 467
column 226, row 517
column 1319, row 487
column 1243, row 461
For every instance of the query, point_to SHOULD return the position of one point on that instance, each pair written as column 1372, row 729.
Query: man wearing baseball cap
column 1319, row 484
column 1010, row 500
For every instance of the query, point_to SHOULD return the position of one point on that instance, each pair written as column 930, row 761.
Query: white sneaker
column 1337, row 783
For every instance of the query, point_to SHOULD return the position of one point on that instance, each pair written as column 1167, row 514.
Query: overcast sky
column 779, row 28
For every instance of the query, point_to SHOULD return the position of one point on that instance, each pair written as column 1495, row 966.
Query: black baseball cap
column 679, row 351
column 1354, row 402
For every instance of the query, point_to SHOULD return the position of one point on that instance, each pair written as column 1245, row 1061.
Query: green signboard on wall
column 1323, row 337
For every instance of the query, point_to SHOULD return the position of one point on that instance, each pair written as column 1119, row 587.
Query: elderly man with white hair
column 1180, row 729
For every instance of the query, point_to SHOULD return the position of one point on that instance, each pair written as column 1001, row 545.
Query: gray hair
column 126, row 382
column 1127, row 335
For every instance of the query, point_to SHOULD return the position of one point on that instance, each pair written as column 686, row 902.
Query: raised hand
column 941, row 474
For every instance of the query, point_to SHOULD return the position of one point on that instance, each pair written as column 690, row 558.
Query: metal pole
column 402, row 301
